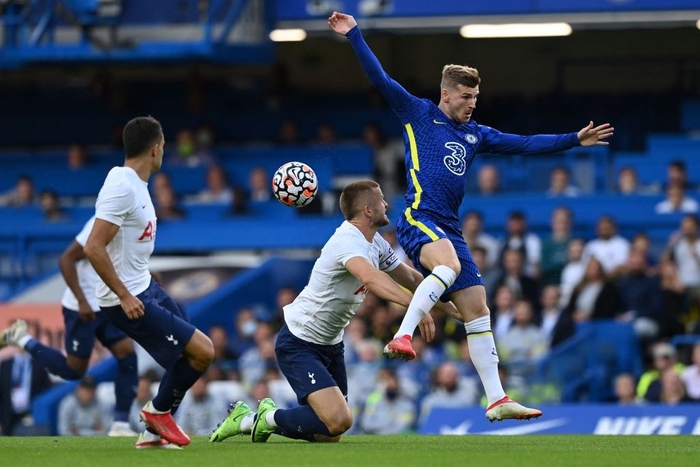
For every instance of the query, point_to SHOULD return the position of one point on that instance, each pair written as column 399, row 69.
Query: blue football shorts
column 80, row 335
column 420, row 229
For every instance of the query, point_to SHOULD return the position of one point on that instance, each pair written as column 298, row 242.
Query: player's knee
column 200, row 351
column 339, row 424
column 447, row 273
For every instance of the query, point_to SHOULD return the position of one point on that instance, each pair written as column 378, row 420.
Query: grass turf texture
column 364, row 451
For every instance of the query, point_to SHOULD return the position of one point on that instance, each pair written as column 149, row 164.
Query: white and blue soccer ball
column 295, row 184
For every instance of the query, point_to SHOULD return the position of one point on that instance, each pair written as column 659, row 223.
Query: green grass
column 363, row 451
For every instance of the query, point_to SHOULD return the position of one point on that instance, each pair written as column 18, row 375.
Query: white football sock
column 270, row 418
column 24, row 340
column 482, row 350
column 247, row 423
column 425, row 297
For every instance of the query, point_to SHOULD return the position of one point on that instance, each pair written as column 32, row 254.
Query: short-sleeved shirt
column 124, row 201
column 324, row 308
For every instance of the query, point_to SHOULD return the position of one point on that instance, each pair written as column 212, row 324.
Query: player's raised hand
column 132, row 306
column 341, row 23
column 592, row 136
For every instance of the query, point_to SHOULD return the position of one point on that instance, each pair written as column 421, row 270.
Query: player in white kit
column 119, row 249
column 309, row 347
column 83, row 324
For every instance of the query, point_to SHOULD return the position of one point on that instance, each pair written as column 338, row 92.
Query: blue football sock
column 176, row 381
column 295, row 434
column 125, row 386
column 51, row 359
column 301, row 419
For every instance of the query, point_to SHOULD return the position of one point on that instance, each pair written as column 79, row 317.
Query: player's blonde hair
column 353, row 197
column 452, row 75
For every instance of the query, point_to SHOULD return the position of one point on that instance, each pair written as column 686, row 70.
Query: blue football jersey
column 439, row 151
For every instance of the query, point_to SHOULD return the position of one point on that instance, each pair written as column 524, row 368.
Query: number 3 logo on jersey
column 456, row 162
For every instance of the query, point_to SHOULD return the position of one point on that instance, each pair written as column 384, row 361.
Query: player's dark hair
column 352, row 195
column 452, row 75
column 140, row 135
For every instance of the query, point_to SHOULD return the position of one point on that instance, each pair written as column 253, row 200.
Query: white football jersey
column 87, row 277
column 124, row 201
column 322, row 310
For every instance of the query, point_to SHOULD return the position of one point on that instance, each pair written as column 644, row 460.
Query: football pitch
column 362, row 451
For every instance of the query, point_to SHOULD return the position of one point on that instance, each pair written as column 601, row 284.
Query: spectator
column 449, row 391
column 82, row 413
column 489, row 275
column 77, row 157
column 610, row 249
column 246, row 325
column 573, row 271
column 641, row 297
column 685, row 249
column 559, row 183
column 21, row 195
column 488, row 180
column 595, row 297
column 388, row 161
column 691, row 375
column 472, row 230
column 628, row 182
column 502, row 314
column 187, row 152
column 325, row 134
column 20, row 382
column 387, row 411
column 554, row 249
column 674, row 305
column 288, row 133
column 363, row 375
column 557, row 326
column 224, row 356
column 665, row 358
column 522, row 286
column 51, row 207
column 518, row 238
column 167, row 207
column 676, row 201
column 524, row 340
column 673, row 391
column 259, row 184
column 642, row 243
column 218, row 190
column 677, row 174
column 624, row 388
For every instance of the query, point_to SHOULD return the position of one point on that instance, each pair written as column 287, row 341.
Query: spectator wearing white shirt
column 573, row 270
column 691, row 375
column 676, row 201
column 518, row 238
column 610, row 249
column 686, row 253
column 559, row 183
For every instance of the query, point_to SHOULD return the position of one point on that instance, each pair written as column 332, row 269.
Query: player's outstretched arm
column 67, row 263
column 594, row 136
column 341, row 23
column 96, row 251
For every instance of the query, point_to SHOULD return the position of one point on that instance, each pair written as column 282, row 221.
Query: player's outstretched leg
column 400, row 347
column 13, row 334
column 239, row 421
column 164, row 425
column 507, row 408
column 261, row 428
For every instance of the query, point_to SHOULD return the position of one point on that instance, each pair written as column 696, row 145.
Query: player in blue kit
column 441, row 142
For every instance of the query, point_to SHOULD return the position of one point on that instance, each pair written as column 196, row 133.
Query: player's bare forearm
column 101, row 262
column 67, row 265
column 406, row 276
column 384, row 287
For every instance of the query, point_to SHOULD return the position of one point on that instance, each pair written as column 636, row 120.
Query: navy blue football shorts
column 80, row 335
column 310, row 367
column 163, row 331
column 414, row 229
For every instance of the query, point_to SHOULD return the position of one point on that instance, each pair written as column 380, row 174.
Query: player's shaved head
column 140, row 135
column 453, row 75
column 355, row 197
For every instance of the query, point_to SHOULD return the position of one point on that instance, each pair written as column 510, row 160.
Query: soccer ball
column 295, row 184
